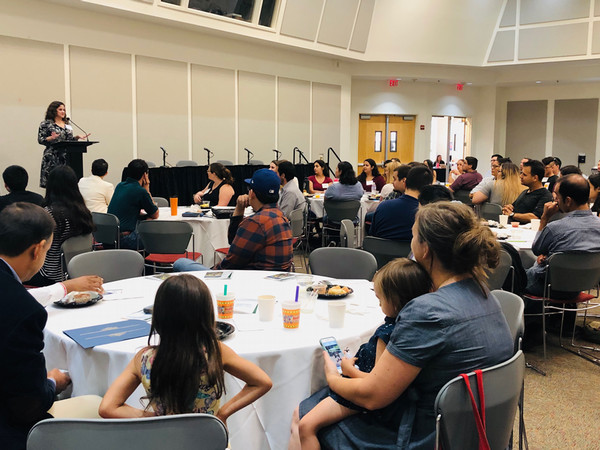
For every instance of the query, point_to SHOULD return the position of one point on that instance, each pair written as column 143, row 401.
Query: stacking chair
column 490, row 211
column 151, row 164
column 73, row 247
column 455, row 425
column 462, row 195
column 220, row 251
column 340, row 262
column 108, row 229
column 385, row 250
column 186, row 163
column 570, row 272
column 161, row 202
column 181, row 431
column 297, row 220
column 336, row 211
column 111, row 265
column 225, row 162
column 347, row 234
column 256, row 162
column 497, row 276
column 166, row 241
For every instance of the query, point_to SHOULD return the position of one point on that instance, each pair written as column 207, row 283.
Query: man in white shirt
column 291, row 197
column 95, row 191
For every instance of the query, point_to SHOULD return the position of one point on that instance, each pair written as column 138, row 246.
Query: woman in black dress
column 54, row 128
column 219, row 191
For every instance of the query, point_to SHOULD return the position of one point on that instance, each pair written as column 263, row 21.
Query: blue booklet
column 108, row 333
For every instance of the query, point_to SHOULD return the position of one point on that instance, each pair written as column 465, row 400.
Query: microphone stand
column 164, row 157
column 302, row 157
column 249, row 153
column 277, row 153
column 208, row 155
column 329, row 150
column 294, row 155
column 68, row 120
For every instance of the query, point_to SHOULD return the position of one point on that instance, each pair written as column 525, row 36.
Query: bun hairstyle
column 222, row 172
column 457, row 239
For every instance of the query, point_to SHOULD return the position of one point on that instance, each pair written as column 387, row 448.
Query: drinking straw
column 225, row 290
column 297, row 292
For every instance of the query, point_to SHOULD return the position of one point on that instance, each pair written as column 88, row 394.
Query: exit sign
column 393, row 83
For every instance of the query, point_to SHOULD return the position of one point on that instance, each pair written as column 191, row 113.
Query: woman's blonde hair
column 510, row 183
column 457, row 239
column 390, row 168
column 401, row 280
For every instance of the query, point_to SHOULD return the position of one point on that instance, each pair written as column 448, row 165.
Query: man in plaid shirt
column 262, row 241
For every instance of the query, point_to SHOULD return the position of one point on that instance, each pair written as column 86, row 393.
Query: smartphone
column 330, row 345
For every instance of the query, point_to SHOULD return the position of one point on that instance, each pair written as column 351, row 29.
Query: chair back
column 181, row 431
column 76, row 245
column 165, row 236
column 462, row 195
column 385, row 250
column 108, row 229
column 297, row 222
column 111, row 265
column 340, row 262
column 225, row 162
column 347, row 234
column 151, row 164
column 256, row 162
column 455, row 424
column 574, row 271
column 186, row 163
column 338, row 210
column 490, row 211
column 161, row 202
column 497, row 276
column 513, row 309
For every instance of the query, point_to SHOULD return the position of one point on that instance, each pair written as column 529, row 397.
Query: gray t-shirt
column 448, row 332
column 491, row 189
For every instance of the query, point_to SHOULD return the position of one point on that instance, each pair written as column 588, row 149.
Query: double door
column 384, row 136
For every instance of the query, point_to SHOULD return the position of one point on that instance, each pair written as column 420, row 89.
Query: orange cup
column 225, row 305
column 291, row 314
column 173, row 205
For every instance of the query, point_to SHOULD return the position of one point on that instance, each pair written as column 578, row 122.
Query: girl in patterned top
column 185, row 372
column 397, row 283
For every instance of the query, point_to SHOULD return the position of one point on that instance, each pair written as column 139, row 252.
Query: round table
column 521, row 238
column 292, row 358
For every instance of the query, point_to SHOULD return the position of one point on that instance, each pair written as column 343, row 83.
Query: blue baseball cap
column 264, row 181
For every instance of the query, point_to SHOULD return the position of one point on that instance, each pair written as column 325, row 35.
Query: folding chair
column 340, row 262
column 111, row 265
column 297, row 220
column 73, row 247
column 490, row 211
column 347, row 234
column 108, row 229
column 335, row 212
column 497, row 276
column 186, row 163
column 385, row 250
column 161, row 202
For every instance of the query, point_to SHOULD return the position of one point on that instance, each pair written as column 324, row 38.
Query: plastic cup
column 266, row 307
column 173, row 201
column 503, row 220
column 535, row 224
column 225, row 305
column 515, row 224
column 291, row 314
column 337, row 312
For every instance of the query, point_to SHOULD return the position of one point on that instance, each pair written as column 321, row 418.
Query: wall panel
column 337, row 22
column 575, row 124
column 326, row 111
column 553, row 41
column 301, row 18
column 293, row 117
column 526, row 129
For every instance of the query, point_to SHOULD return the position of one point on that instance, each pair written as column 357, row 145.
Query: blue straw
column 297, row 292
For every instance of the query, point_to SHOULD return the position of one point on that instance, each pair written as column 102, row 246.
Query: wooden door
column 404, row 127
column 382, row 137
column 371, row 138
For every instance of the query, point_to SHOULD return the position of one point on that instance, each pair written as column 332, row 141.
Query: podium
column 74, row 151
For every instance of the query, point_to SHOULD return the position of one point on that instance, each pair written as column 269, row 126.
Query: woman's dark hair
column 457, row 239
column 222, row 172
column 184, row 318
column 65, row 200
column 322, row 163
column 428, row 163
column 51, row 111
column 594, row 180
column 435, row 193
column 347, row 174
column 374, row 172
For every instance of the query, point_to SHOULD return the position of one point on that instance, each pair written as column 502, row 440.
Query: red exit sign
column 393, row 83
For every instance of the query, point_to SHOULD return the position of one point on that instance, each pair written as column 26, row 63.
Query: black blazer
column 25, row 390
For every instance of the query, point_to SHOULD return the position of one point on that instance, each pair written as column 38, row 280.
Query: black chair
column 336, row 211
column 108, row 229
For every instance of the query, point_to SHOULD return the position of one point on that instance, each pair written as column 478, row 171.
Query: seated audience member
column 290, row 197
column 470, row 178
column 523, row 161
column 594, row 200
column 27, row 390
column 549, row 163
column 578, row 231
column 49, row 294
column 15, row 181
column 185, row 372
column 262, row 241
column 273, row 165
column 457, row 328
column 348, row 187
column 219, row 191
column 394, row 219
column 130, row 198
column 439, row 162
column 503, row 190
column 530, row 203
column 320, row 181
column 429, row 164
column 435, row 193
column 388, row 191
column 399, row 174
column 568, row 170
column 65, row 204
column 458, row 171
column 370, row 178
column 95, row 191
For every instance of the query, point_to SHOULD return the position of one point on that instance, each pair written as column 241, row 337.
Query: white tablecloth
column 209, row 233
column 292, row 358
column 522, row 239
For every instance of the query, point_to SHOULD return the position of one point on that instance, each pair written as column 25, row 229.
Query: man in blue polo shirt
column 130, row 197
column 394, row 219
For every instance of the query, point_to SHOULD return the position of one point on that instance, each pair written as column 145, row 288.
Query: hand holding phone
column 334, row 351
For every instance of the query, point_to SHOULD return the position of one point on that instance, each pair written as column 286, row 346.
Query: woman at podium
column 54, row 128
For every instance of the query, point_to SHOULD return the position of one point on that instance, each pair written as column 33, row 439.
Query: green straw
column 225, row 290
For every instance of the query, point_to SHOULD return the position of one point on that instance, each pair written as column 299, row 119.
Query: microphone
column 209, row 154
column 68, row 120
column 277, row 153
column 249, row 153
column 164, row 157
column 164, row 151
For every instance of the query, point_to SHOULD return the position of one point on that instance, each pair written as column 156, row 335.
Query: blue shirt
column 127, row 201
column 394, row 219
column 339, row 191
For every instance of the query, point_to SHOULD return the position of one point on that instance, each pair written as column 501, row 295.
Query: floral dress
column 52, row 157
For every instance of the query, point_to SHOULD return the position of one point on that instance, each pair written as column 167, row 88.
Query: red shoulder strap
column 479, row 414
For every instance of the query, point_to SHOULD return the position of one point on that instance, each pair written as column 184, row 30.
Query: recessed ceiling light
column 469, row 83
column 538, row 82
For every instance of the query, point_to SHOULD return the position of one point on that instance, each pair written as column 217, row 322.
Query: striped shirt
column 52, row 265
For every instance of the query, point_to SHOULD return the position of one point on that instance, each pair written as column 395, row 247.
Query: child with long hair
column 395, row 284
column 185, row 372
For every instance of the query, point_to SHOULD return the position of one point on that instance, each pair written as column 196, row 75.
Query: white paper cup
column 337, row 312
column 504, row 220
column 535, row 224
column 266, row 307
